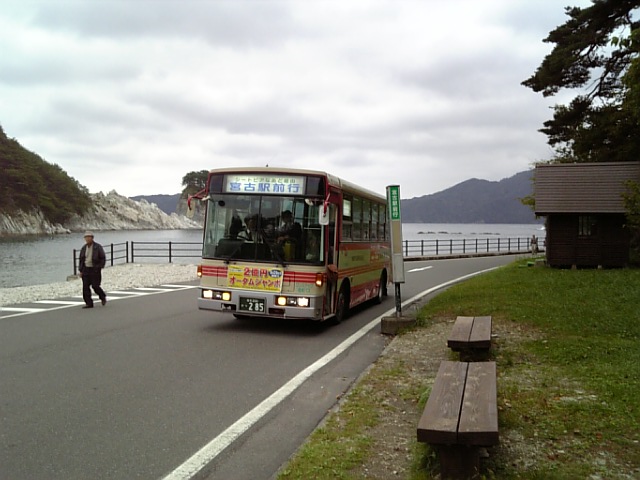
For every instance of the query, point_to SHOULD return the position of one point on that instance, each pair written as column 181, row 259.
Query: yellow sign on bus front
column 255, row 278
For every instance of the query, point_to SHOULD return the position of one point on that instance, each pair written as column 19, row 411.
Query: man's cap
column 88, row 234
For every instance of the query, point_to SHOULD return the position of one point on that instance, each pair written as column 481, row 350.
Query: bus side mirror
column 323, row 214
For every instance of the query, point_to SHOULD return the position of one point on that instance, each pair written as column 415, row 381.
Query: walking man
column 92, row 260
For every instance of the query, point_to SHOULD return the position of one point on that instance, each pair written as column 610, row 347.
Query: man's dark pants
column 91, row 278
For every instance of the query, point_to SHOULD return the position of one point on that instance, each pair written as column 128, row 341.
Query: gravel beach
column 113, row 278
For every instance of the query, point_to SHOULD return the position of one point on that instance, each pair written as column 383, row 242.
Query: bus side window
column 357, row 219
column 347, row 219
column 366, row 219
column 374, row 221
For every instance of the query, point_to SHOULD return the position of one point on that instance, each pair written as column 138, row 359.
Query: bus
column 291, row 243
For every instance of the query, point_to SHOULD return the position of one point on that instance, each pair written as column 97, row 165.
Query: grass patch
column 567, row 387
column 571, row 391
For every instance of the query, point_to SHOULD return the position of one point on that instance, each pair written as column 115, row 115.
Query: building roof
column 583, row 187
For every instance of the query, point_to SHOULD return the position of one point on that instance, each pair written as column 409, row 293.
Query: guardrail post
column 127, row 248
column 75, row 267
column 487, row 245
column 112, row 254
column 464, row 245
column 422, row 248
column 450, row 246
column 132, row 252
column 169, row 252
column 498, row 243
column 437, row 246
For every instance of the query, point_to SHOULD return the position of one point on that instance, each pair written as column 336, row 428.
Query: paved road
column 135, row 389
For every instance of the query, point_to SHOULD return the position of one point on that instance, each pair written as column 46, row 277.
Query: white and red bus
column 286, row 243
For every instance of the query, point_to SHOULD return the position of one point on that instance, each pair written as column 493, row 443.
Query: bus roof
column 332, row 179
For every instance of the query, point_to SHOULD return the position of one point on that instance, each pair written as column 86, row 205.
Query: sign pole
column 397, row 259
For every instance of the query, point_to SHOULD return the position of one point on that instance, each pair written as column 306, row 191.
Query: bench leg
column 474, row 355
column 459, row 461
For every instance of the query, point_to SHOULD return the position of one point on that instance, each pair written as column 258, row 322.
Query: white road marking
column 419, row 269
column 152, row 289
column 207, row 454
column 20, row 311
column 131, row 293
column 59, row 302
column 24, row 310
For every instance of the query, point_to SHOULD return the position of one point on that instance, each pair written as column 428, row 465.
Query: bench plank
column 439, row 421
column 460, row 333
column 480, row 333
column 479, row 415
column 470, row 334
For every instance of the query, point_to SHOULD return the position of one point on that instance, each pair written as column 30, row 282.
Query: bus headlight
column 283, row 301
column 216, row 295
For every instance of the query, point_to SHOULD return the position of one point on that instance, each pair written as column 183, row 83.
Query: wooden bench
column 471, row 336
column 461, row 416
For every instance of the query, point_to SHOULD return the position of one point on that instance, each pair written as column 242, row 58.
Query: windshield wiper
column 227, row 258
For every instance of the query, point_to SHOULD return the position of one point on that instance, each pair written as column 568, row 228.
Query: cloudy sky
column 132, row 95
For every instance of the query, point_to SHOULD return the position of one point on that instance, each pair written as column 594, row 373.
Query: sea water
column 41, row 259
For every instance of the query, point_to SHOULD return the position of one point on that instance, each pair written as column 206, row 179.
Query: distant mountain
column 474, row 201
column 166, row 203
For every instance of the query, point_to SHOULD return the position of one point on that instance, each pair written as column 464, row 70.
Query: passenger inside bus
column 288, row 236
column 288, row 230
column 313, row 247
column 250, row 230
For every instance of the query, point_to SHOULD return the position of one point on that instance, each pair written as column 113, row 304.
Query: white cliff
column 109, row 212
column 28, row 224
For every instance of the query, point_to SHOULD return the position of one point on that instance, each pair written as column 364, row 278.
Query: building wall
column 606, row 246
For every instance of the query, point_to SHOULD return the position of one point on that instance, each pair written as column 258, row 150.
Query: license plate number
column 250, row 304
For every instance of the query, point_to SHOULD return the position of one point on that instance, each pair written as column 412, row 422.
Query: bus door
column 332, row 260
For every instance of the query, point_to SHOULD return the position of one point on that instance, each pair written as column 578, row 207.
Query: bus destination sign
column 265, row 184
column 394, row 201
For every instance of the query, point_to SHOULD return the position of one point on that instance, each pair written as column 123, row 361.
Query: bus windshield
column 263, row 228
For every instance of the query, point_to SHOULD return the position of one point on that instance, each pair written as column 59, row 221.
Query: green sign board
column 394, row 202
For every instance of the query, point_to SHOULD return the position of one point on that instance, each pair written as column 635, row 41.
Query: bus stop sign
column 397, row 259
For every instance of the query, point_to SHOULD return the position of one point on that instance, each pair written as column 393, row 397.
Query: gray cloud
column 226, row 23
column 132, row 95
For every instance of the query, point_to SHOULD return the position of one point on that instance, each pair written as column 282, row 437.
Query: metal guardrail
column 465, row 246
column 170, row 250
column 128, row 252
column 125, row 253
column 113, row 251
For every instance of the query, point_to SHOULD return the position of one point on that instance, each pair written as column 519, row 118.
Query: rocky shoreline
column 109, row 212
column 113, row 278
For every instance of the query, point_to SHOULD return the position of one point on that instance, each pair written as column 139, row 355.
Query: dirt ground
column 417, row 354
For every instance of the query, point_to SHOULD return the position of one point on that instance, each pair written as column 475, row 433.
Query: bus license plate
column 251, row 304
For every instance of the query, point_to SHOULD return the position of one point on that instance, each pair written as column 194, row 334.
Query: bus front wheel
column 382, row 289
column 342, row 306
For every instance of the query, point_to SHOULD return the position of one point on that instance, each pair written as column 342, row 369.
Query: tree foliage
column 29, row 183
column 596, row 51
column 195, row 181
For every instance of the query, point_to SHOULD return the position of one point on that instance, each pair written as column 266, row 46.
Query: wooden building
column 585, row 214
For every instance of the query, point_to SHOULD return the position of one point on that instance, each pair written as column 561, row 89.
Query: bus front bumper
column 271, row 310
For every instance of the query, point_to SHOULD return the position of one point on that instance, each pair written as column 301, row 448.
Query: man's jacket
column 98, row 257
